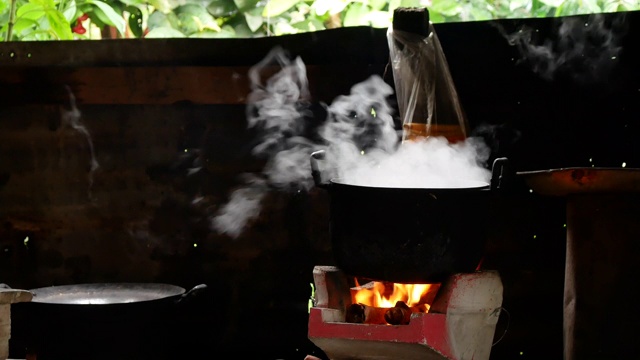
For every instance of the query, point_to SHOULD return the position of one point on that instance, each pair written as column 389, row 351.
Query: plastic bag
column 427, row 98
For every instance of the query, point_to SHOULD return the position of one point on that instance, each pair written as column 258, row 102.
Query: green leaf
column 163, row 6
column 254, row 22
column 44, row 3
column 590, row 6
column 135, row 20
column 356, row 15
column 436, row 17
column 310, row 24
column 224, row 34
column 480, row 14
column 158, row 19
column 30, row 11
column 518, row 4
column 110, row 16
column 630, row 5
column 195, row 18
column 393, row 4
column 332, row 7
column 164, row 32
column 239, row 27
column 70, row 10
column 552, row 3
column 377, row 4
column 277, row 7
column 566, row 8
column 99, row 18
column 380, row 19
column 117, row 6
column 245, row 5
column 284, row 28
column 23, row 24
column 59, row 25
column 446, row 7
column 222, row 8
column 133, row 3
column 611, row 6
column 411, row 3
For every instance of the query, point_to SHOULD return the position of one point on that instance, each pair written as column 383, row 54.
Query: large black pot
column 407, row 235
column 101, row 321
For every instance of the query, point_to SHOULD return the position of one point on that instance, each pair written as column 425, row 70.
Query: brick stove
column 460, row 324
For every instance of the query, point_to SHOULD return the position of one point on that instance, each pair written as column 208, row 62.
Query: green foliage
column 66, row 19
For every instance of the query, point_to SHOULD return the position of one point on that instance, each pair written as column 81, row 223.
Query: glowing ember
column 386, row 295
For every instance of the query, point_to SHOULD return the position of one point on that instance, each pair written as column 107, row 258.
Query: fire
column 386, row 295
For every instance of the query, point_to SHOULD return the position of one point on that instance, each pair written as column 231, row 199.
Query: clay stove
column 459, row 325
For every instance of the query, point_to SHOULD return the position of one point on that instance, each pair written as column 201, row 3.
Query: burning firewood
column 355, row 314
column 397, row 315
column 364, row 314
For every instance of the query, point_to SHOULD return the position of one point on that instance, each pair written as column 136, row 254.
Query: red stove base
column 459, row 326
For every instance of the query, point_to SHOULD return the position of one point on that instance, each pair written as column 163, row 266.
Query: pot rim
column 473, row 185
column 93, row 293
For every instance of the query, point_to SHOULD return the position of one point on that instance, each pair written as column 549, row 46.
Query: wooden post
column 8, row 297
column 601, row 276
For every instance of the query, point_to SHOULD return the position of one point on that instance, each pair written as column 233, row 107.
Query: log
column 364, row 314
column 399, row 314
column 354, row 314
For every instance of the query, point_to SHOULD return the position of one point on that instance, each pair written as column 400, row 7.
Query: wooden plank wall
column 145, row 105
column 152, row 109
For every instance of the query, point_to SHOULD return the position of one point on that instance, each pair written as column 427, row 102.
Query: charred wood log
column 355, row 314
column 399, row 314
column 364, row 314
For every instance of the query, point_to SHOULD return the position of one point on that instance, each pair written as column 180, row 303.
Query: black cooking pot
column 101, row 321
column 407, row 235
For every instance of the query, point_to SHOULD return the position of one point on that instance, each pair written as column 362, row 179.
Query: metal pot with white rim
column 407, row 235
column 101, row 321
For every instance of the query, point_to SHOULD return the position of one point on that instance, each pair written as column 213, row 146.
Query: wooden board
column 162, row 85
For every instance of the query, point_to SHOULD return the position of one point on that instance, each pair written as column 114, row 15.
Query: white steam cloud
column 276, row 108
column 361, row 145
column 585, row 48
column 433, row 163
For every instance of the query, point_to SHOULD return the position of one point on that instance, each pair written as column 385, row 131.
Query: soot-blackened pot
column 407, row 235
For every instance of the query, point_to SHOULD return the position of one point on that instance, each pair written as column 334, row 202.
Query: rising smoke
column 73, row 118
column 358, row 135
column 585, row 48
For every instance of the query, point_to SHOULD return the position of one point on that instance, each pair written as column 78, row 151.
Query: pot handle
column 499, row 173
column 316, row 158
column 191, row 293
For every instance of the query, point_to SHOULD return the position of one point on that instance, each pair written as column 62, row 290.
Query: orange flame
column 385, row 295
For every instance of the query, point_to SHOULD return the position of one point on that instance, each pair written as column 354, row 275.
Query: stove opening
column 377, row 302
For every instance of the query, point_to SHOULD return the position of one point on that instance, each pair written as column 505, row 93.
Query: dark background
column 574, row 107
